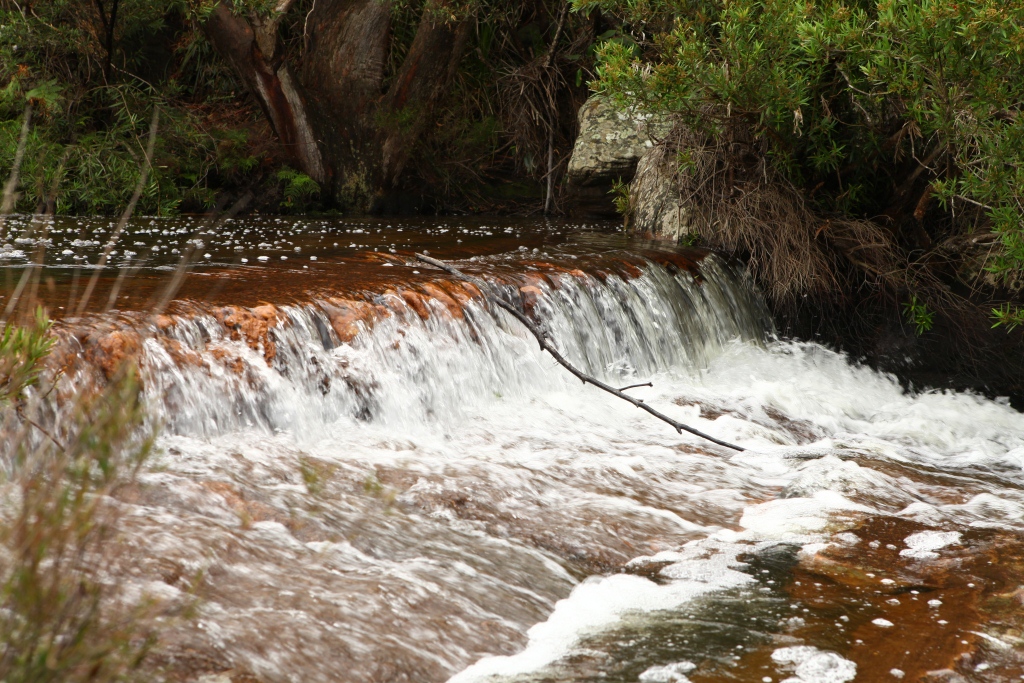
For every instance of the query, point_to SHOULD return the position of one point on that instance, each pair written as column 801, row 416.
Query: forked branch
column 545, row 345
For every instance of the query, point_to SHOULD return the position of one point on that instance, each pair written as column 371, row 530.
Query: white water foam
column 923, row 544
column 601, row 601
column 811, row 665
column 431, row 492
column 668, row 673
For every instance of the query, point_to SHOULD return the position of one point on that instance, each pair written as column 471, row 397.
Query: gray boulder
column 656, row 208
column 608, row 148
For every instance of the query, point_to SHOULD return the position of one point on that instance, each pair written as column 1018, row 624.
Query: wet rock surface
column 656, row 208
column 955, row 614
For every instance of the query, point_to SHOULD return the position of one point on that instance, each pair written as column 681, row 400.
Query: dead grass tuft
column 732, row 197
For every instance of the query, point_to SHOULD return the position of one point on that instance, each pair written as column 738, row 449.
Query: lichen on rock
column 610, row 143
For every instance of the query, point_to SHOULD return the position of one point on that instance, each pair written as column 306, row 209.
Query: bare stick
column 551, row 179
column 35, row 424
column 143, row 177
column 546, row 346
column 634, row 386
column 550, row 56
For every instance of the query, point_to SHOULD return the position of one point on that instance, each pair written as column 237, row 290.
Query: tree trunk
column 249, row 49
column 343, row 74
column 426, row 72
column 340, row 125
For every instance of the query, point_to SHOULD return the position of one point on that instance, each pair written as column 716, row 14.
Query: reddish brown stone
column 180, row 354
column 472, row 290
column 416, row 302
column 530, row 295
column 164, row 322
column 630, row 269
column 451, row 305
column 455, row 291
column 345, row 314
column 846, row 587
column 228, row 359
column 534, row 279
column 689, row 261
column 252, row 326
column 112, row 350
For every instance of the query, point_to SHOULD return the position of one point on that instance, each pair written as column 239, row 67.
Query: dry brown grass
column 737, row 201
column 846, row 273
column 537, row 104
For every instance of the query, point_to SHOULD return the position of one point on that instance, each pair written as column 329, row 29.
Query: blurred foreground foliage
column 60, row 618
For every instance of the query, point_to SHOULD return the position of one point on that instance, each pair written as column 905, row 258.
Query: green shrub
column 92, row 111
column 918, row 315
column 873, row 108
column 298, row 189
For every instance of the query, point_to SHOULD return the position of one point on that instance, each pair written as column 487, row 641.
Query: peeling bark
column 250, row 52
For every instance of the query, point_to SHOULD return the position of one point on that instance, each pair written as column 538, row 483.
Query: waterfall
column 409, row 367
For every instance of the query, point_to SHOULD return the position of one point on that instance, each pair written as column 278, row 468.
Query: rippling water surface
column 366, row 473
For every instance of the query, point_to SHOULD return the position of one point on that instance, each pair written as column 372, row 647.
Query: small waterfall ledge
column 410, row 352
column 395, row 484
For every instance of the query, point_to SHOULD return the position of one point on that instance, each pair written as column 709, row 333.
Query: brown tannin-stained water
column 366, row 473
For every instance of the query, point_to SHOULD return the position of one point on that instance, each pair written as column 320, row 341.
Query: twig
column 550, row 56
column 32, row 422
column 499, row 301
column 53, row 384
column 305, row 27
column 634, row 386
column 551, row 184
column 971, row 201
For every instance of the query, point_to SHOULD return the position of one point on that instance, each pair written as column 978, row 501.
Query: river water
column 366, row 473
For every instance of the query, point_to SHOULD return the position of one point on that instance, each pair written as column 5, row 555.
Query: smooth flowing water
column 376, row 476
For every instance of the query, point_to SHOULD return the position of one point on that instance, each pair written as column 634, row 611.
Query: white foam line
column 601, row 601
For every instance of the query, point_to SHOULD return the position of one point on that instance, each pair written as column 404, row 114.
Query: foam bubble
column 668, row 673
column 923, row 545
column 812, row 665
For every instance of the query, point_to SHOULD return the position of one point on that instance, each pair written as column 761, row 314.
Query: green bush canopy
column 902, row 112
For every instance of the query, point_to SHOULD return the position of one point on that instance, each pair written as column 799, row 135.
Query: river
column 366, row 473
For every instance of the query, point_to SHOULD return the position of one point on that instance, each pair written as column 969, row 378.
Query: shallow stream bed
column 367, row 473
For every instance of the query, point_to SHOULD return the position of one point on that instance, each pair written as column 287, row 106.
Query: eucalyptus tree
column 326, row 98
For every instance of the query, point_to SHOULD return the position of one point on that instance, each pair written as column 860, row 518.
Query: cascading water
column 410, row 370
column 400, row 486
